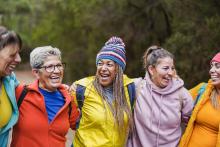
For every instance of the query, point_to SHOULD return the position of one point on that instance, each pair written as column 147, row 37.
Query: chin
column 7, row 73
column 216, row 83
column 105, row 84
column 164, row 85
column 56, row 85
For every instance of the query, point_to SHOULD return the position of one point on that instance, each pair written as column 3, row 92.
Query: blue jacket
column 10, row 82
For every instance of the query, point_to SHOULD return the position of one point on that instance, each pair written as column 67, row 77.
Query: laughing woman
column 162, row 102
column 106, row 116
column 10, row 45
column 47, row 111
column 203, row 129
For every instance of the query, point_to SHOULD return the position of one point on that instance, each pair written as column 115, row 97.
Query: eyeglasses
column 51, row 68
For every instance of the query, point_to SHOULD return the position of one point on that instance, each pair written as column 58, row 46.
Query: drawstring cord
column 159, row 121
column 151, row 103
column 152, row 115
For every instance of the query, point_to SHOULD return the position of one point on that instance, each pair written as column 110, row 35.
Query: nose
column 104, row 67
column 171, row 72
column 212, row 69
column 18, row 58
column 56, row 69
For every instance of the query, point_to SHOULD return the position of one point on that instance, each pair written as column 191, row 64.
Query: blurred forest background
column 190, row 29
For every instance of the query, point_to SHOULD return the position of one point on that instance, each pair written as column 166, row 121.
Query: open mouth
column 214, row 77
column 104, row 76
column 166, row 79
column 55, row 79
column 11, row 67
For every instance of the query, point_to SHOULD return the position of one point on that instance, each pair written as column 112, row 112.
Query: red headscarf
column 216, row 58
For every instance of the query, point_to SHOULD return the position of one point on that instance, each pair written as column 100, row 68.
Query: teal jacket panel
column 10, row 82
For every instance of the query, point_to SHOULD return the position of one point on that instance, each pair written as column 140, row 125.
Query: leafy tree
column 195, row 37
column 189, row 29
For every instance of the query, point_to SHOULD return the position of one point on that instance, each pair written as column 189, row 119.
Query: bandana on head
column 216, row 58
column 114, row 49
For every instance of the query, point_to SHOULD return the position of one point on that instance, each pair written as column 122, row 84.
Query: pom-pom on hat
column 114, row 49
column 216, row 58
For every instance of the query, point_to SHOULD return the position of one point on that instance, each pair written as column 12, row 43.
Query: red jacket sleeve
column 74, row 116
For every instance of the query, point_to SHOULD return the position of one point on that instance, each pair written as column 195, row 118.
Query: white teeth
column 55, row 79
column 104, row 75
column 214, row 77
column 167, row 79
column 11, row 68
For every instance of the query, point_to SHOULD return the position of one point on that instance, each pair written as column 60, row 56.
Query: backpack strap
column 23, row 94
column 70, row 109
column 80, row 90
column 201, row 91
column 131, row 92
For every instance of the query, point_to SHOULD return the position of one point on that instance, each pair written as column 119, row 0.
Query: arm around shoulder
column 187, row 105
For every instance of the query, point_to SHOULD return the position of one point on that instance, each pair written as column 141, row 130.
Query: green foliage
column 189, row 29
column 195, row 37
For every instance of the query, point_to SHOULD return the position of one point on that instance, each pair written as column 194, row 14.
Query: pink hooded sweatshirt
column 159, row 112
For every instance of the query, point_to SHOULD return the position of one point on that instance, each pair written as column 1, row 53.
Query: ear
column 36, row 73
column 151, row 70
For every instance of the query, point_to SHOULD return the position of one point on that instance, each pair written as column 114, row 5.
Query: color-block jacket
column 33, row 128
column 10, row 82
column 97, row 127
column 204, row 98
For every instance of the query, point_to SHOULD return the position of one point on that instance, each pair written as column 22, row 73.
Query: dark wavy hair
column 8, row 37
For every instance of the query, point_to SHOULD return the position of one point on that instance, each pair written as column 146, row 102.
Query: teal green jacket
column 10, row 82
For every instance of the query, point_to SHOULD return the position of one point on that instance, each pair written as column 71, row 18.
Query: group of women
column 107, row 109
column 41, row 112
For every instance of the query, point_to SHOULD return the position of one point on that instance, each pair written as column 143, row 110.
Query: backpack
column 24, row 93
column 201, row 91
column 80, row 90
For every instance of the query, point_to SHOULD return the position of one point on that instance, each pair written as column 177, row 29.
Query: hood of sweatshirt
column 174, row 84
column 157, row 112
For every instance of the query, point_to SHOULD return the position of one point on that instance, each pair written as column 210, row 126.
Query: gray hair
column 154, row 53
column 39, row 55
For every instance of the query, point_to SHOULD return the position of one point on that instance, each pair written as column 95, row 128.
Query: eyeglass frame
column 50, row 66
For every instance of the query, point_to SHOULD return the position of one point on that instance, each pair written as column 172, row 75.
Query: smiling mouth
column 11, row 68
column 104, row 76
column 167, row 79
column 215, row 78
column 55, row 79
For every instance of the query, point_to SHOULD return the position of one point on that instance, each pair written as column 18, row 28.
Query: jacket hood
column 174, row 84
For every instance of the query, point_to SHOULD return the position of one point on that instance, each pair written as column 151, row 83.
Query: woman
column 106, row 116
column 162, row 102
column 46, row 111
column 203, row 127
column 10, row 45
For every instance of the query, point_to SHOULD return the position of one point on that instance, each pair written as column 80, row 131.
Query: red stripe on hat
column 112, row 54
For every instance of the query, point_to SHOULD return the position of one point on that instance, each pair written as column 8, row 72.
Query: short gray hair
column 39, row 55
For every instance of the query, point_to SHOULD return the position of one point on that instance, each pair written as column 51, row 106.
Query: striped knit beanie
column 114, row 49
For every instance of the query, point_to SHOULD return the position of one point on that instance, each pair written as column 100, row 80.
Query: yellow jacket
column 97, row 127
column 204, row 98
